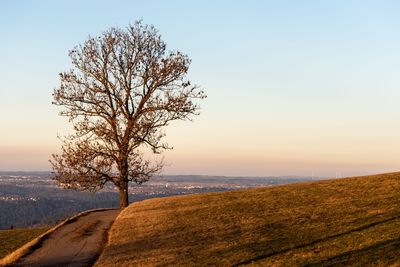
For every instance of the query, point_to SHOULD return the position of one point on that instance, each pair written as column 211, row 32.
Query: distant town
column 32, row 198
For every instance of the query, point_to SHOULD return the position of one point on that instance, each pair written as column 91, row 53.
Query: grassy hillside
column 353, row 221
column 10, row 240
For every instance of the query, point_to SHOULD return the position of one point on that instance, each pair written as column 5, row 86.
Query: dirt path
column 78, row 243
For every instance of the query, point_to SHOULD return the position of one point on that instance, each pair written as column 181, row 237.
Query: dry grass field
column 10, row 240
column 352, row 221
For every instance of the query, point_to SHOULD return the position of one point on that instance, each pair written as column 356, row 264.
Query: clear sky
column 294, row 87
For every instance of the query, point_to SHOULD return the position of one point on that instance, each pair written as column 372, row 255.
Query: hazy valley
column 33, row 199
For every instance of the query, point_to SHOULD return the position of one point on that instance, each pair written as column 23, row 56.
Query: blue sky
column 293, row 87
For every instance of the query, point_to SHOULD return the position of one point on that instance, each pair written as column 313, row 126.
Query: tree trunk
column 123, row 197
column 123, row 178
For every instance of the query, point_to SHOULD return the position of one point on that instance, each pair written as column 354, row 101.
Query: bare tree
column 122, row 90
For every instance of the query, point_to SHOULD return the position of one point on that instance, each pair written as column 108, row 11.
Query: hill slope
column 353, row 221
column 13, row 239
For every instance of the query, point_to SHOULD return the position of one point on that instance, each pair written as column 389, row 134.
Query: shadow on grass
column 383, row 252
column 300, row 246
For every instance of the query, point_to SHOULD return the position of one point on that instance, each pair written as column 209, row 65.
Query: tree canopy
column 121, row 92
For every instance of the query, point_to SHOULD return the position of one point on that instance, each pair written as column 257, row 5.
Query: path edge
column 26, row 249
column 107, row 235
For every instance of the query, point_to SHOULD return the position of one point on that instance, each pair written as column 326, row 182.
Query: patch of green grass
column 353, row 221
column 10, row 240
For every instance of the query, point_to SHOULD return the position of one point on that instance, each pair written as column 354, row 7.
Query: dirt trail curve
column 77, row 243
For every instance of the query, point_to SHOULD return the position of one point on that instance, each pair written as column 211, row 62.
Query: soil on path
column 78, row 243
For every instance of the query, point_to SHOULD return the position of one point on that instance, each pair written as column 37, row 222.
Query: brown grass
column 13, row 239
column 353, row 221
